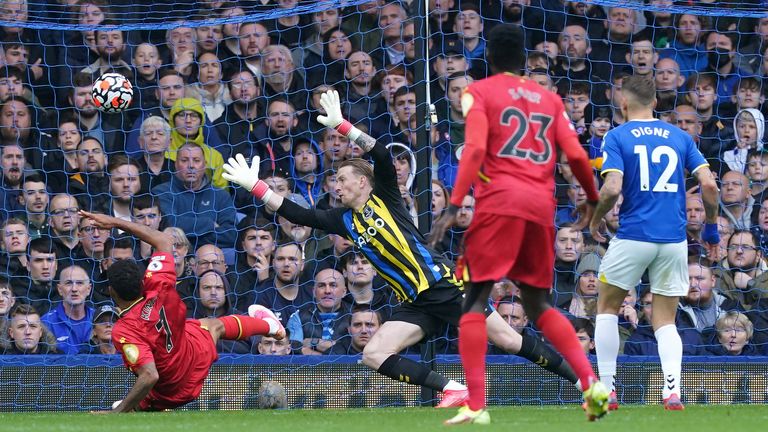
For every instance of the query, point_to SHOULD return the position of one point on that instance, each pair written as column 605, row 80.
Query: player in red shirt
column 512, row 129
column 169, row 354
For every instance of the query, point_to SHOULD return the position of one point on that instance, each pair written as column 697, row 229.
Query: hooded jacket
column 736, row 158
column 213, row 158
column 310, row 192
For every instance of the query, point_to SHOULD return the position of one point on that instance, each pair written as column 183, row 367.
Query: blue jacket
column 72, row 336
column 691, row 59
column 207, row 215
column 310, row 192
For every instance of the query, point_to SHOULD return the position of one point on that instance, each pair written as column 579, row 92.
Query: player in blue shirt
column 646, row 161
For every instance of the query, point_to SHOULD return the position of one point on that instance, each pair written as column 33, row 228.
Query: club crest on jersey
column 131, row 352
column 367, row 212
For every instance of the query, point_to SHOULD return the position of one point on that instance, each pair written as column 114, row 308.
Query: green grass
column 509, row 419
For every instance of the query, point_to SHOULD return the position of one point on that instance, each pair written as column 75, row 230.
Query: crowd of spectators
column 205, row 93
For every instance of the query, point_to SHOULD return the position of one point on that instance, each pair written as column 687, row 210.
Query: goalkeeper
column 374, row 218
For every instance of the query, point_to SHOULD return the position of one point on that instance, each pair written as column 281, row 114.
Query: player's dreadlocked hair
column 498, row 52
column 125, row 278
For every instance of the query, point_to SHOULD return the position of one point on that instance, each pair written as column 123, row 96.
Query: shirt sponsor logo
column 370, row 232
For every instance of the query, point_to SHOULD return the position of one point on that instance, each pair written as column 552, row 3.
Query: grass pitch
column 531, row 419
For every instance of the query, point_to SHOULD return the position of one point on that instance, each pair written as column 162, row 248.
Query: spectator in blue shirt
column 71, row 321
column 686, row 49
column 190, row 202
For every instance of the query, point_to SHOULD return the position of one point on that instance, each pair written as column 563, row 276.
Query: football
column 112, row 93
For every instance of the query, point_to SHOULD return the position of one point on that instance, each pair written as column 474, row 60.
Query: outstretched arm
column 160, row 241
column 710, row 197
column 146, row 378
column 237, row 171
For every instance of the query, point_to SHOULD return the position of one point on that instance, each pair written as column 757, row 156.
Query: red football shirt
column 152, row 329
column 526, row 124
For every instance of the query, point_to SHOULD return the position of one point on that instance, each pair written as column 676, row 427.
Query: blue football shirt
column 653, row 156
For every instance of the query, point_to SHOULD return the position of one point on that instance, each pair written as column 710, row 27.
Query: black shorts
column 432, row 309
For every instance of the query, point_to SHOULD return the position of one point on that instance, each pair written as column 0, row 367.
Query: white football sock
column 607, row 347
column 671, row 354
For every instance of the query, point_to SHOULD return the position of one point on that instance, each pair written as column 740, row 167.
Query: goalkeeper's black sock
column 546, row 357
column 408, row 371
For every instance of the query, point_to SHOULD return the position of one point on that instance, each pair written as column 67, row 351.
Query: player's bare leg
column 503, row 336
column 560, row 333
column 381, row 355
column 607, row 341
column 473, row 345
column 670, row 348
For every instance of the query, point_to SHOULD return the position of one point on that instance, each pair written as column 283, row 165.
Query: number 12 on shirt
column 662, row 184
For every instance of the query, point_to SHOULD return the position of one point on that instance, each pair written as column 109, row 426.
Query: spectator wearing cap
column 583, row 303
column 448, row 60
column 307, row 169
column 190, row 202
column 686, row 49
column 71, row 320
column 186, row 121
column 101, row 340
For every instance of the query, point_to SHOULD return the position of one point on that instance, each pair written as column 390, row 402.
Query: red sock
column 239, row 327
column 473, row 344
column 559, row 331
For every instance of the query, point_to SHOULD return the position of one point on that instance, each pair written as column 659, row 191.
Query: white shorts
column 667, row 263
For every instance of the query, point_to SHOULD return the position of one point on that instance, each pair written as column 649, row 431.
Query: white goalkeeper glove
column 330, row 103
column 237, row 171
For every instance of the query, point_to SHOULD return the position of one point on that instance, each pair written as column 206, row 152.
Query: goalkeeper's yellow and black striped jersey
column 384, row 232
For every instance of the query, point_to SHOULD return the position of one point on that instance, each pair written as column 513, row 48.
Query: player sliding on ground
column 645, row 160
column 374, row 218
column 512, row 128
column 169, row 354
